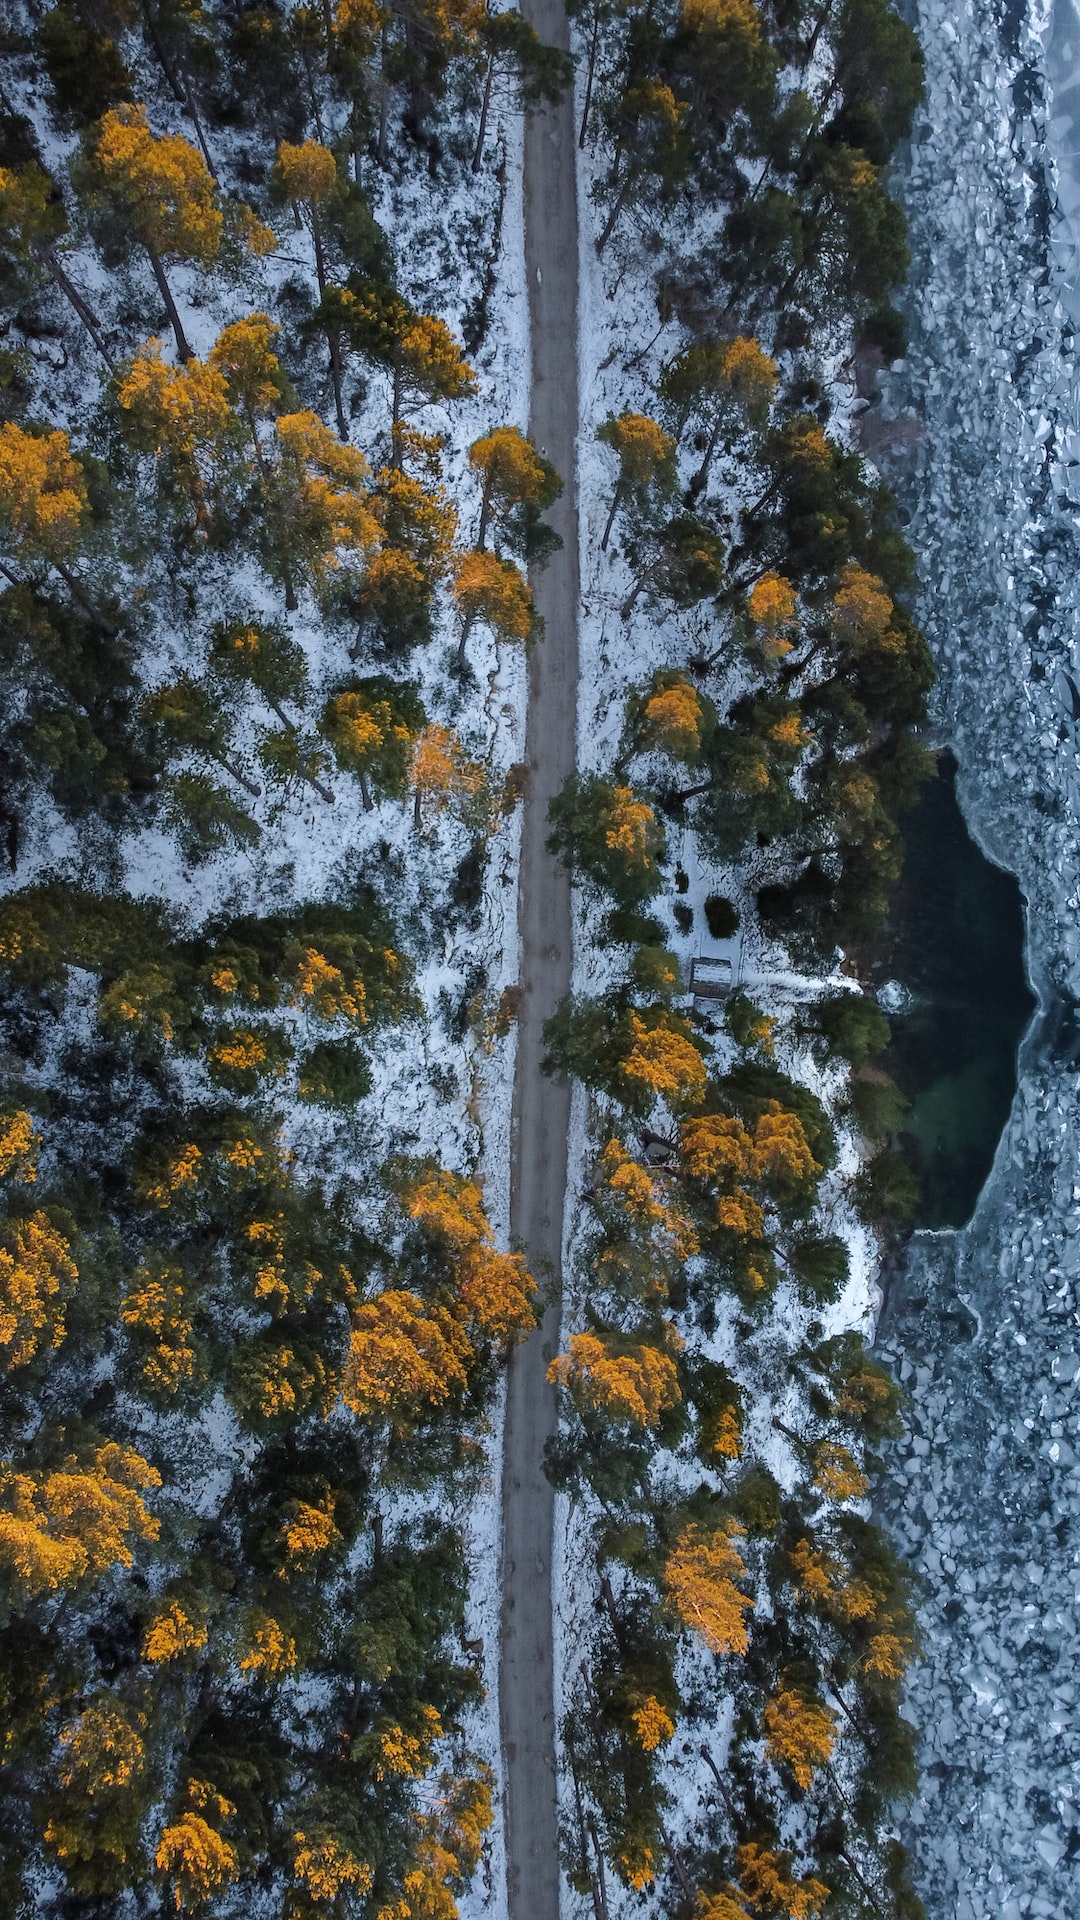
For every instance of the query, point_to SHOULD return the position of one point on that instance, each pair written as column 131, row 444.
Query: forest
column 735, row 1733
column 270, row 517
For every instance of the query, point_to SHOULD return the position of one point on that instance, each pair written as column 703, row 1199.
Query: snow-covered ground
column 984, row 1496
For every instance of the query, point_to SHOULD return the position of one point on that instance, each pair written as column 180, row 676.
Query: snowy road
column 541, row 1106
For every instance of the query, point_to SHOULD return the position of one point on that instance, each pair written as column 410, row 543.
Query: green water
column 956, row 943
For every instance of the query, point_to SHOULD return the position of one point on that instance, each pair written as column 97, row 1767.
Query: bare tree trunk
column 249, row 786
column 478, row 150
column 333, row 333
column 634, row 595
column 264, row 475
column 382, row 147
column 75, row 587
column 601, row 1880
column 698, row 482
column 485, row 515
column 396, row 401
column 590, row 75
column 323, row 792
column 615, row 498
column 466, row 628
column 616, row 208
column 179, row 84
column 811, row 45
column 182, row 346
column 45, row 253
column 365, row 791
column 680, row 1870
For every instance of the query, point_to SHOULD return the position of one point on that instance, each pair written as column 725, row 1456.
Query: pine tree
column 321, row 510
column 180, row 412
column 372, row 729
column 32, row 223
column 542, row 73
column 496, row 592
column 513, row 474
column 631, row 1382
column 650, row 147
column 701, row 1576
column 59, row 1526
column 195, row 1860
column 425, row 361
column 442, row 772
column 38, row 1277
column 19, row 1147
column 42, row 501
column 800, row 1733
column 726, row 386
column 646, row 457
column 162, row 189
column 405, row 1358
column 308, row 176
column 185, row 715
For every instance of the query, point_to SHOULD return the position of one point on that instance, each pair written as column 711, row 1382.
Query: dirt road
column 541, row 1106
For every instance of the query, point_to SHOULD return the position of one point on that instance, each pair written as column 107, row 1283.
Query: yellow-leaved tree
column 160, row 1328
column 163, row 190
column 631, row 1381
column 308, row 176
column 771, row 1889
column 37, row 1278
column 59, row 1526
column 42, row 501
column 726, row 386
column 646, row 456
column 442, row 772
column 405, row 1357
column 194, row 1858
column 663, row 1062
column 773, row 607
column 19, row 1147
column 495, row 592
column 494, row 1290
column 861, row 609
column 672, row 717
column 701, row 1575
column 179, row 413
column 800, row 1732
column 324, row 1866
column 512, row 474
column 164, row 193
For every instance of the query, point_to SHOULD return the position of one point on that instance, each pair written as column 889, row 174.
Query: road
column 541, row 1105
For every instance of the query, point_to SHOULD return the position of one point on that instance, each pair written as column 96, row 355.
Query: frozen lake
column 984, row 1325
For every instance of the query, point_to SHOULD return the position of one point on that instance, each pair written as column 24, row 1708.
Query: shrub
column 757, row 1501
column 333, row 1074
column 821, row 1267
column 721, row 916
column 854, row 1027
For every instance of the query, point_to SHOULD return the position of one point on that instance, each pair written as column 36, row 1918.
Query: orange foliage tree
column 442, row 772
column 405, row 1357
column 57, row 1527
column 772, row 1890
column 800, row 1732
column 512, row 474
column 646, row 456
column 700, row 1578
column 494, row 591
column 37, row 1278
column 773, row 608
column 663, row 1063
column 494, row 1290
column 631, row 1381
